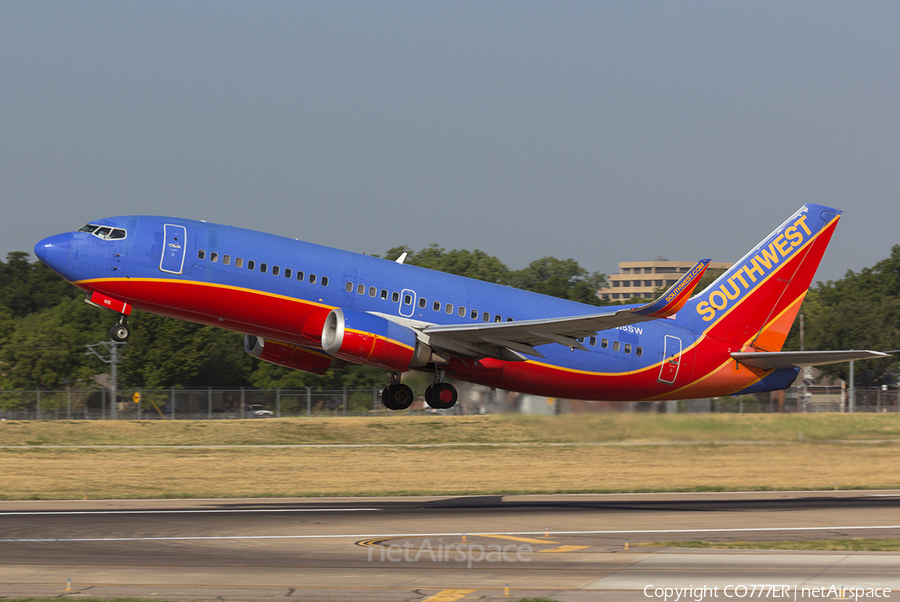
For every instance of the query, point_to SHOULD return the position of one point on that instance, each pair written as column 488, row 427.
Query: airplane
column 313, row 308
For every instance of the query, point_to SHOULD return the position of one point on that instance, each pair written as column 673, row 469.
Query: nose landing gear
column 120, row 331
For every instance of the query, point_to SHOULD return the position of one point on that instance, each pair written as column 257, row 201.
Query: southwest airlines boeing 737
column 311, row 307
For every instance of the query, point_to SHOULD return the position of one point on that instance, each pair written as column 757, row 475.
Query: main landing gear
column 120, row 331
column 396, row 396
column 440, row 395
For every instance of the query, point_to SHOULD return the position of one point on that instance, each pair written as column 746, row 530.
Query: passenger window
column 201, row 254
column 372, row 291
column 486, row 317
column 250, row 264
column 436, row 306
column 214, row 257
column 275, row 270
column 474, row 315
column 627, row 347
column 593, row 341
column 263, row 268
column 422, row 302
column 287, row 272
column 604, row 343
column 361, row 289
column 580, row 340
column 300, row 276
column 615, row 345
column 226, row 259
column 312, row 278
column 238, row 263
column 395, row 297
column 407, row 300
column 384, row 294
column 449, row 308
column 639, row 351
column 497, row 318
column 461, row 311
column 348, row 287
column 324, row 281
column 509, row 319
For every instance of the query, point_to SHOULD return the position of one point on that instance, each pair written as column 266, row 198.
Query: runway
column 563, row 547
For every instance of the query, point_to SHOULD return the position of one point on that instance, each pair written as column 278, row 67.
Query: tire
column 443, row 396
column 386, row 399
column 397, row 397
column 119, row 333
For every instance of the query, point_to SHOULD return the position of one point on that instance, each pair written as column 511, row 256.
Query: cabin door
column 174, row 243
column 671, row 360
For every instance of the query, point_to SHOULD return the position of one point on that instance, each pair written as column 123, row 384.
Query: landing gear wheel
column 119, row 332
column 441, row 396
column 397, row 397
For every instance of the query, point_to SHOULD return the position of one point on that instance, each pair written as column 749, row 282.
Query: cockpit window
column 104, row 232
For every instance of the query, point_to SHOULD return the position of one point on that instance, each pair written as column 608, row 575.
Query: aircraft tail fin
column 753, row 304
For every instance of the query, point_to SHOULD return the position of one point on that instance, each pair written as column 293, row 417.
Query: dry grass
column 402, row 429
column 253, row 472
column 835, row 545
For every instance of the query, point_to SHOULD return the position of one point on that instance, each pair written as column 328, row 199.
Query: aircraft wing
column 509, row 340
column 773, row 360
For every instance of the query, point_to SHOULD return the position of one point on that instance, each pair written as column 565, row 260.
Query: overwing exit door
column 174, row 242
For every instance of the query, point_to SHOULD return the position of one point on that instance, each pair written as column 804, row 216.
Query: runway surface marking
column 513, row 538
column 229, row 511
column 563, row 549
column 449, row 595
column 456, row 534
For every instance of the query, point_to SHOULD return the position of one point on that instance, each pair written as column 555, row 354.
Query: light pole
column 111, row 348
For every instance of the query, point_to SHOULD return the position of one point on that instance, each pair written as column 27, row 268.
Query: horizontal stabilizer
column 774, row 360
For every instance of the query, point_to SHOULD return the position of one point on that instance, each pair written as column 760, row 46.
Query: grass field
column 831, row 545
column 401, row 429
column 663, row 453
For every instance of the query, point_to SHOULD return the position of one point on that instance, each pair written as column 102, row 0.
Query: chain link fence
column 187, row 404
column 224, row 404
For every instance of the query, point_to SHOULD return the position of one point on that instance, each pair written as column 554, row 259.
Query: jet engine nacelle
column 364, row 338
column 290, row 356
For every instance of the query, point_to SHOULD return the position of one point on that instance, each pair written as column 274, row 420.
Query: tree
column 27, row 287
column 46, row 348
column 859, row 311
column 471, row 264
column 164, row 352
column 562, row 278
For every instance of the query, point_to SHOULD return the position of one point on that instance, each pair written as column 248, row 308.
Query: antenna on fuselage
column 402, row 258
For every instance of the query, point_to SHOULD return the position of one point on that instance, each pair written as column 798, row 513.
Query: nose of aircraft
column 54, row 252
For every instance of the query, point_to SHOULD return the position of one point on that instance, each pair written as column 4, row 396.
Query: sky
column 599, row 131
